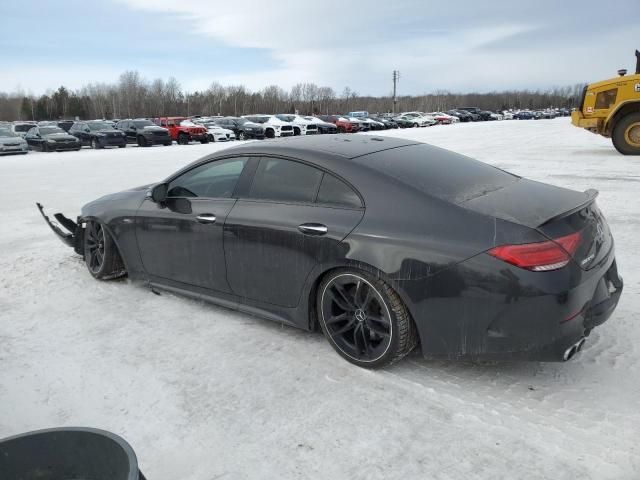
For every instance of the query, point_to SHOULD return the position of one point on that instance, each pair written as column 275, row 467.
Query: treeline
column 133, row 96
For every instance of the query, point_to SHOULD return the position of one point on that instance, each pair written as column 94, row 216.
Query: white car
column 496, row 116
column 11, row 142
column 301, row 126
column 21, row 128
column 216, row 133
column 273, row 126
column 420, row 119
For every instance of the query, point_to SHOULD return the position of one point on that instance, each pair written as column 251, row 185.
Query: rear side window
column 438, row 172
column 285, row 181
column 334, row 191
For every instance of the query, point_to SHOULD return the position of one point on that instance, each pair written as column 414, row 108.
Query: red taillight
column 540, row 256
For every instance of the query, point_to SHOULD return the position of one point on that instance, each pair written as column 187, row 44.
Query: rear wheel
column 415, row 125
column 142, row 142
column 626, row 134
column 364, row 319
column 100, row 253
column 269, row 133
column 183, row 139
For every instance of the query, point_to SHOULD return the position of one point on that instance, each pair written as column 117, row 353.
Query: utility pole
column 396, row 77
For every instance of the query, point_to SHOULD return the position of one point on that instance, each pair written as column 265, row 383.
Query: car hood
column 59, row 136
column 154, row 128
column 251, row 125
column 11, row 139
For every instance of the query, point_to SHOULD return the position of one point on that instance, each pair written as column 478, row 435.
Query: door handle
column 313, row 228
column 206, row 218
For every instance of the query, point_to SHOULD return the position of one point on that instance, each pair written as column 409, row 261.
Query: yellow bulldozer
column 612, row 108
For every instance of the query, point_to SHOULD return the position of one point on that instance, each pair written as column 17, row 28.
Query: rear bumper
column 488, row 309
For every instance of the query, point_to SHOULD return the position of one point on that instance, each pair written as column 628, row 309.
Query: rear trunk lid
column 553, row 211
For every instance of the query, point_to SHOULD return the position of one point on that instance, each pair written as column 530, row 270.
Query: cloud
column 461, row 45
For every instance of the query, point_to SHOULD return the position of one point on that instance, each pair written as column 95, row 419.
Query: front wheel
column 626, row 134
column 241, row 136
column 415, row 125
column 142, row 142
column 364, row 319
column 100, row 253
column 183, row 139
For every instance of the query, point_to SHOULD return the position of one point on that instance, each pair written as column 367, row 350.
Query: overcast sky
column 454, row 45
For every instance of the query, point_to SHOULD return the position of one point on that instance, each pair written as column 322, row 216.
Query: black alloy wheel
column 100, row 252
column 94, row 247
column 364, row 319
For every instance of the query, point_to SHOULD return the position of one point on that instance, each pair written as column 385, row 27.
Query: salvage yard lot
column 201, row 392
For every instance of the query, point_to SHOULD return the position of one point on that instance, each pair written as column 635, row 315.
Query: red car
column 344, row 125
column 183, row 130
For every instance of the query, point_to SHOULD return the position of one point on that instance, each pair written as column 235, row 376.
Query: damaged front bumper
column 73, row 237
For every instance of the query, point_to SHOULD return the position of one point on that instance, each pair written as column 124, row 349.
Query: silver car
column 11, row 142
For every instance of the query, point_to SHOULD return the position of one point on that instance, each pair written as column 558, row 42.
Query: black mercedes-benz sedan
column 382, row 243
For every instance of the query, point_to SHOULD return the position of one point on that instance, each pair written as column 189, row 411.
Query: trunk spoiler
column 591, row 194
column 73, row 237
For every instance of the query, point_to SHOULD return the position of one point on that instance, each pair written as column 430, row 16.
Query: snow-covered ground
column 202, row 393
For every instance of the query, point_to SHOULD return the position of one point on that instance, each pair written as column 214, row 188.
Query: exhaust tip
column 570, row 352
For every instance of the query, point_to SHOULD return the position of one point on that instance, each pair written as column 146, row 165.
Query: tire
column 626, row 134
column 100, row 253
column 364, row 319
column 241, row 136
column 183, row 139
column 168, row 144
column 296, row 132
column 415, row 125
column 122, row 146
column 142, row 142
column 212, row 139
column 269, row 133
column 44, row 147
column 204, row 140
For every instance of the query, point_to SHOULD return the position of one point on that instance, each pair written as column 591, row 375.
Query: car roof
column 346, row 146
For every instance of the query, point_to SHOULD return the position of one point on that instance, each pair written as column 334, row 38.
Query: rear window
column 441, row 173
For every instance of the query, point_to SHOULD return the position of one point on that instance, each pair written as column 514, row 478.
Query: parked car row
column 47, row 136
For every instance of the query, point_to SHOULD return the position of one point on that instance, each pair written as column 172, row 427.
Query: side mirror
column 158, row 193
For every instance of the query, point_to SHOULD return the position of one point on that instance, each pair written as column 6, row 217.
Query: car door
column 181, row 242
column 278, row 231
column 33, row 138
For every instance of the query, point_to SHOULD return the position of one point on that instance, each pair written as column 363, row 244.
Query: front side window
column 285, row 181
column 212, row 180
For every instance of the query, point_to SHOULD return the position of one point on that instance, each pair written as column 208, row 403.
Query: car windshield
column 286, row 118
column 50, row 130
column 99, row 126
column 143, row 123
column 25, row 127
column 5, row 132
column 186, row 123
